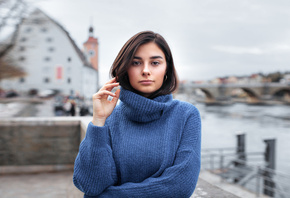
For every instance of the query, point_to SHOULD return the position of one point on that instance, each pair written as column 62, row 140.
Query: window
column 43, row 29
column 21, row 80
column 68, row 80
column 47, row 58
column 28, row 29
column 23, row 39
column 21, row 58
column 69, row 59
column 49, row 39
column 37, row 21
column 21, row 48
column 51, row 49
column 46, row 80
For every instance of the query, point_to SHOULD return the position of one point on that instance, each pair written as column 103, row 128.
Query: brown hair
column 125, row 57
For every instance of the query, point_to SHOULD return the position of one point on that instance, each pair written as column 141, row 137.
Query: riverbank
column 26, row 107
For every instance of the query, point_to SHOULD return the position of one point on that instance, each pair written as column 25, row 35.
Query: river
column 221, row 124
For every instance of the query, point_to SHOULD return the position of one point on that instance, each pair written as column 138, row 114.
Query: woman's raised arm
column 94, row 168
column 102, row 107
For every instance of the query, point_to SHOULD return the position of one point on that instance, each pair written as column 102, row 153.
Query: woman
column 149, row 144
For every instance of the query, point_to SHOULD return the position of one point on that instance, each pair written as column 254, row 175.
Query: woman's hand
column 102, row 107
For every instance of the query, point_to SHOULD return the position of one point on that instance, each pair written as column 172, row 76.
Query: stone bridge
column 256, row 93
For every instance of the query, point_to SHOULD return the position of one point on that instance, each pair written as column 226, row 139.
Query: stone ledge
column 33, row 169
column 46, row 121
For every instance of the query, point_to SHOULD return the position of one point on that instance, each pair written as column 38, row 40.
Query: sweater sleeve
column 94, row 168
column 178, row 180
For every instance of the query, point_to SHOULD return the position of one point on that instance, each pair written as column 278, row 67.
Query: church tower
column 91, row 49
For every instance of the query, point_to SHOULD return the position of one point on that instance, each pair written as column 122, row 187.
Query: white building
column 51, row 59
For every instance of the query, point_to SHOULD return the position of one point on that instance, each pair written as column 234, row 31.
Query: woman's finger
column 102, row 93
column 111, row 81
column 109, row 87
column 117, row 94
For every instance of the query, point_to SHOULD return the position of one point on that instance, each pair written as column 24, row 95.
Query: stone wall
column 39, row 141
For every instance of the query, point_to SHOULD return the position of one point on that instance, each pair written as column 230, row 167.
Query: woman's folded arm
column 180, row 179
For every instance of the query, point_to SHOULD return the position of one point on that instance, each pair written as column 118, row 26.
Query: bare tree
column 12, row 13
column 8, row 68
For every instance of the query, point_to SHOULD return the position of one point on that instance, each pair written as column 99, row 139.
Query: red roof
column 91, row 40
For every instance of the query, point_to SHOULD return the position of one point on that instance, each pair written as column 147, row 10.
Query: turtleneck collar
column 142, row 109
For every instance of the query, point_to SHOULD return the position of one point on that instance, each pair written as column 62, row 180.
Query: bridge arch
column 209, row 98
column 283, row 93
column 207, row 93
column 252, row 96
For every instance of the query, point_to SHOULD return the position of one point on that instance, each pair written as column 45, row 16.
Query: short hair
column 125, row 57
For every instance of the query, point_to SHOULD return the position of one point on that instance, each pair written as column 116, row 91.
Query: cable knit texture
column 147, row 148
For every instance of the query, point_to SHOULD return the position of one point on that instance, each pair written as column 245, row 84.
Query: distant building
column 232, row 80
column 91, row 47
column 52, row 60
column 285, row 79
column 256, row 78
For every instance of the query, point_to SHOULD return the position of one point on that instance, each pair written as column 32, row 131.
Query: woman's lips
column 146, row 82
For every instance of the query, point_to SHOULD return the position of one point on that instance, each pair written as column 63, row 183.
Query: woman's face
column 148, row 68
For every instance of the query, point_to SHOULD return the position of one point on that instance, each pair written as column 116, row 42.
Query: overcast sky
column 208, row 38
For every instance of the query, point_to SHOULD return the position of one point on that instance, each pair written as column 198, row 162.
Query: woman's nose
column 146, row 70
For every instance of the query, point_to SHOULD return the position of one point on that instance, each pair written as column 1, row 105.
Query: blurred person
column 84, row 110
column 149, row 144
column 67, row 107
column 72, row 108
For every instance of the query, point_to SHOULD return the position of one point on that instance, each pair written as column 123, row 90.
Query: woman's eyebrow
column 152, row 57
column 137, row 57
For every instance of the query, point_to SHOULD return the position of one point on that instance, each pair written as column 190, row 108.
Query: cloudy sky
column 208, row 38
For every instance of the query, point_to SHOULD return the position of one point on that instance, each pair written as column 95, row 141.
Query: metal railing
column 246, row 169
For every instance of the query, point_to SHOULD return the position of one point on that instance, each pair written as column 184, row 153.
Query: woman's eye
column 155, row 63
column 136, row 63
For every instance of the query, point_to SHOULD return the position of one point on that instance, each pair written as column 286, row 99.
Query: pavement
column 40, row 185
column 236, row 190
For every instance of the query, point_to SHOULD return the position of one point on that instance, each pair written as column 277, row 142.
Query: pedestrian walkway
column 41, row 185
column 228, row 187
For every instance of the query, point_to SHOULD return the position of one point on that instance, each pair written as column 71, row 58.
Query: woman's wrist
column 98, row 122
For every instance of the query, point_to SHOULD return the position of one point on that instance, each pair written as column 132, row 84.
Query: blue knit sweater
column 147, row 148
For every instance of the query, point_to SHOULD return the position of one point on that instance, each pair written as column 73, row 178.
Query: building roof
column 79, row 52
column 91, row 40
